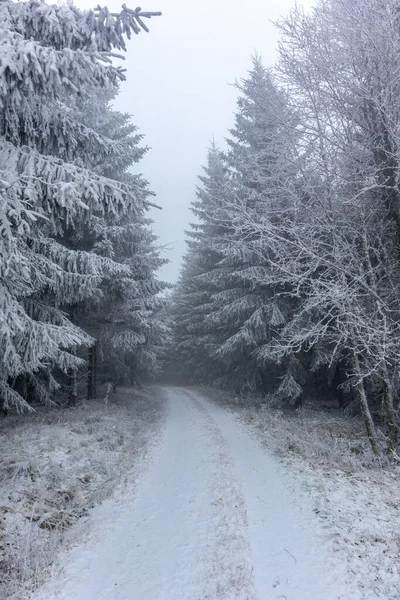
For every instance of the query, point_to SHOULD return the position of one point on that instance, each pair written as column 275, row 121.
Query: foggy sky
column 177, row 91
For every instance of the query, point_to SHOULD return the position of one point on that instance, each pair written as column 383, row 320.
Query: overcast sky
column 177, row 91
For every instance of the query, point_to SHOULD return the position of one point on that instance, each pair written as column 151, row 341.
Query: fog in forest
column 178, row 90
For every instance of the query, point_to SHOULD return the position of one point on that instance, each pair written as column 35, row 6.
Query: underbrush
column 355, row 495
column 327, row 438
column 55, row 465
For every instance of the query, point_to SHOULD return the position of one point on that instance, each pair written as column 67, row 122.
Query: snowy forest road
column 212, row 519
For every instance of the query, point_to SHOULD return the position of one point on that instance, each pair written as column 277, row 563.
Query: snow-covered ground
column 57, row 464
column 190, row 500
column 356, row 497
column 212, row 518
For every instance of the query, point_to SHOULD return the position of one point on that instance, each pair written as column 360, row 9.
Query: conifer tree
column 262, row 157
column 196, row 338
column 124, row 317
column 48, row 54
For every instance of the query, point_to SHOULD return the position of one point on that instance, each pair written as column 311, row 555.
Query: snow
column 328, row 464
column 58, row 463
column 211, row 518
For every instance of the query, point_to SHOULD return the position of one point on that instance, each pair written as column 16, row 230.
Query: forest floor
column 215, row 516
column 355, row 496
column 218, row 500
column 55, row 466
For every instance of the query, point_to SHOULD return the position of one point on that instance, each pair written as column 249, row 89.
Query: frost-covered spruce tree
column 196, row 339
column 48, row 53
column 124, row 318
column 261, row 155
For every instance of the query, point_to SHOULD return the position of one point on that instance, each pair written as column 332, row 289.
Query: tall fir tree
column 124, row 316
column 195, row 338
column 47, row 54
column 262, row 157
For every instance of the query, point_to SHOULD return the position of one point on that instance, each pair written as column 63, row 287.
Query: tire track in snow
column 289, row 550
column 229, row 572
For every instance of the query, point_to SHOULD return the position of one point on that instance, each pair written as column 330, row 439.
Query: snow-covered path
column 212, row 519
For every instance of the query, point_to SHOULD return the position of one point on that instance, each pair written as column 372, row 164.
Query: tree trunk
column 363, row 402
column 389, row 412
column 73, row 391
column 94, row 381
column 91, row 373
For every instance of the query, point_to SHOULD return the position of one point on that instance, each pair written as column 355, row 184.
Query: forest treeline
column 78, row 288
column 290, row 285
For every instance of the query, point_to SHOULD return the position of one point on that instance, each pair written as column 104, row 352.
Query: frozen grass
column 355, row 496
column 54, row 466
